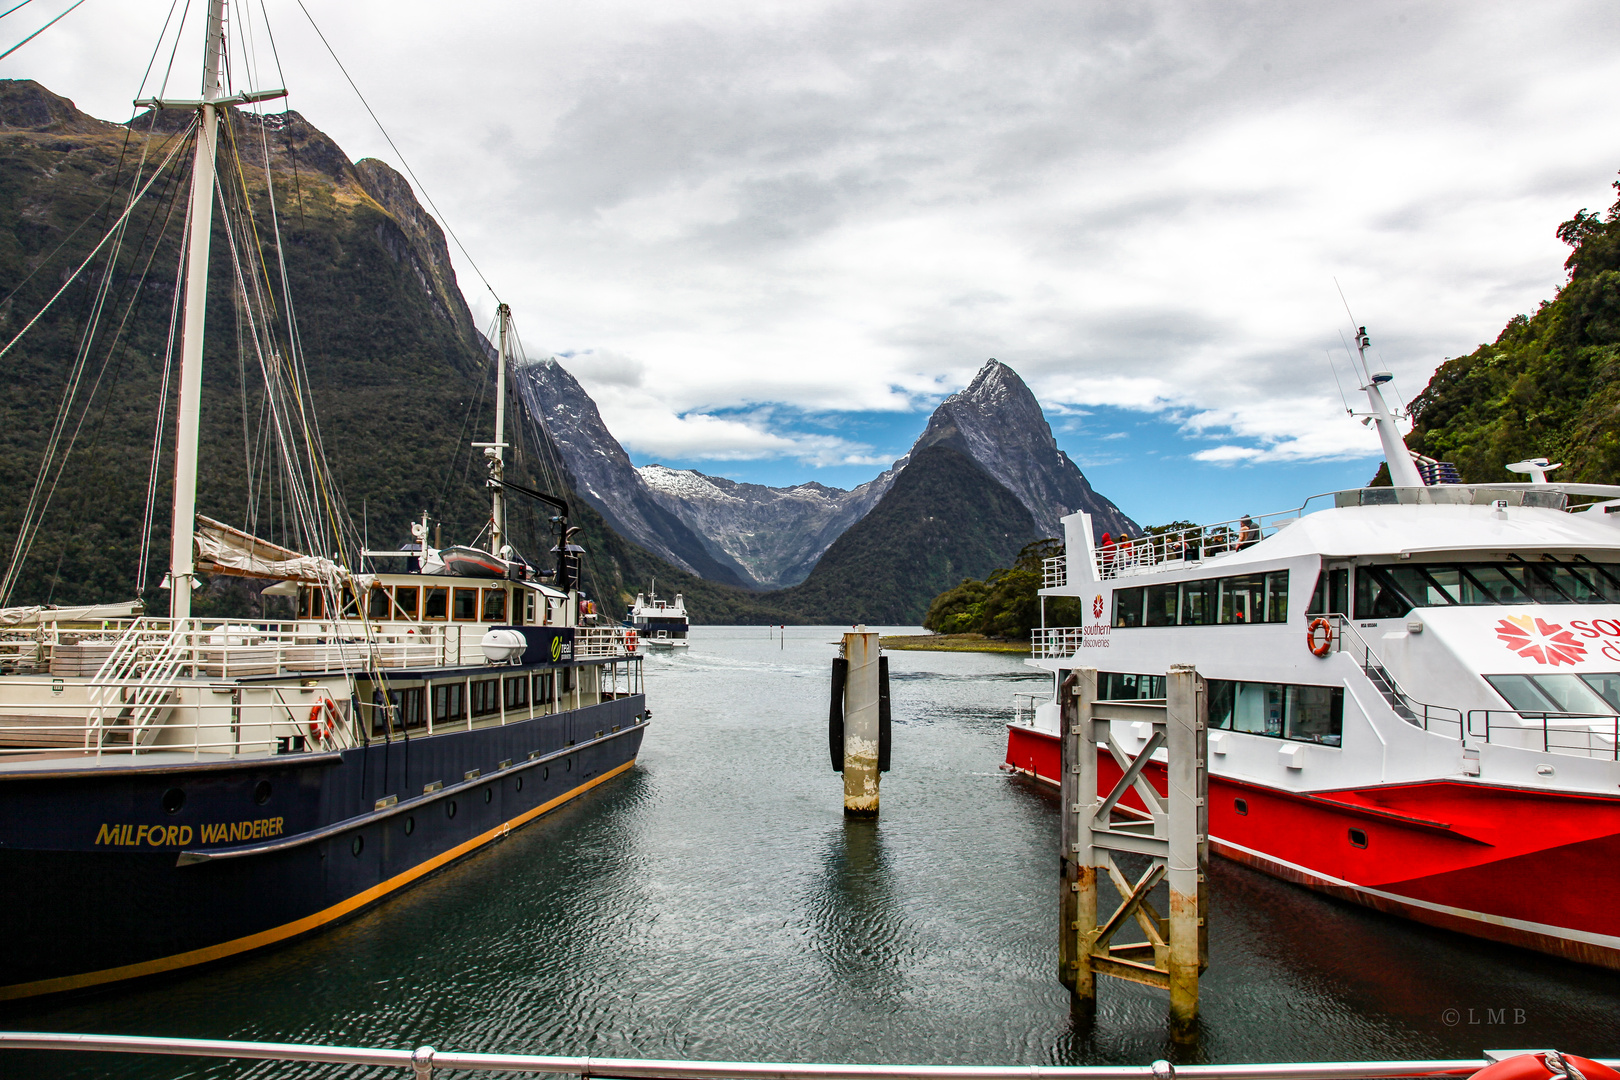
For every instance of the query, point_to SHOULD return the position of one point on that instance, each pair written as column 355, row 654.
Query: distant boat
column 659, row 623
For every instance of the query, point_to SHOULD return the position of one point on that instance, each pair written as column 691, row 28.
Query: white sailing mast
column 182, row 569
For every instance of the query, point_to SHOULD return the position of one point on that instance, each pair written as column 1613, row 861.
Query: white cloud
column 849, row 206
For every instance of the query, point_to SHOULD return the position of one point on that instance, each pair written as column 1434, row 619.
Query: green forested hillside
column 1548, row 385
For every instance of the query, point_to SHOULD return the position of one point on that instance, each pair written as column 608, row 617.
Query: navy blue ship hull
column 106, row 879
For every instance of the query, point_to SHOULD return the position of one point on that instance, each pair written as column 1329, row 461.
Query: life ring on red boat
column 630, row 641
column 323, row 719
column 1550, row 1065
column 1323, row 645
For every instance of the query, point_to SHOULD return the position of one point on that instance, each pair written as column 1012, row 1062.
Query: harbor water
column 714, row 903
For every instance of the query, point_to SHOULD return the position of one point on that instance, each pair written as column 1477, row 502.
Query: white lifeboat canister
column 503, row 646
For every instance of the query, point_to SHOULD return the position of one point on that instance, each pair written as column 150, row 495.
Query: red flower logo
column 1541, row 641
column 1096, row 607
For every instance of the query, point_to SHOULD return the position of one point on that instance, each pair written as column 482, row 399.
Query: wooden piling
column 1184, row 868
column 1077, row 919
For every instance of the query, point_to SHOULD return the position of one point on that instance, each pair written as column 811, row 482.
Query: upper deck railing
column 1174, row 548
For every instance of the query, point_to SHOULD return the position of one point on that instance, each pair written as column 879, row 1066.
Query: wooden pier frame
column 1171, row 829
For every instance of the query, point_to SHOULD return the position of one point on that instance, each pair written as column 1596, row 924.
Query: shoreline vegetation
column 953, row 643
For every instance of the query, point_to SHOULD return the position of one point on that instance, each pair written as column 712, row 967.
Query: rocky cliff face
column 775, row 534
column 601, row 472
column 998, row 423
column 770, row 538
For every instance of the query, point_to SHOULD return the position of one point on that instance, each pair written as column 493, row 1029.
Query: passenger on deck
column 1248, row 534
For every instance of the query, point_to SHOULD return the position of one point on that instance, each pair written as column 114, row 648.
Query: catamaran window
column 435, row 603
column 1248, row 598
column 1389, row 592
column 1559, row 693
column 494, row 605
column 1332, row 594
column 465, row 607
column 567, row 674
column 486, row 697
column 377, row 603
column 517, row 692
column 545, row 684
column 1301, row 713
column 1114, row 686
column 405, row 598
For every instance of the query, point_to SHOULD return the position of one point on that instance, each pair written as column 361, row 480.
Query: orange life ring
column 321, row 727
column 630, row 641
column 1325, row 645
column 1545, row 1066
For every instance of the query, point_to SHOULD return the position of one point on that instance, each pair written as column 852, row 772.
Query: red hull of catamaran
column 1480, row 859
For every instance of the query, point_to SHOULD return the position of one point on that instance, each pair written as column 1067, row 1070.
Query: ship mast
column 497, row 450
column 1402, row 470
column 182, row 569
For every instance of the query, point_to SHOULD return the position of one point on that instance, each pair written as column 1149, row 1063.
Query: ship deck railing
column 1169, row 549
column 116, row 650
column 422, row 1062
column 1590, row 735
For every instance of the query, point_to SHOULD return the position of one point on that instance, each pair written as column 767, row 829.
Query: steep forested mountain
column 944, row 519
column 1548, row 385
column 400, row 379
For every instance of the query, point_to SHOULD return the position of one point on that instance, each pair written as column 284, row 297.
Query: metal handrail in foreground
column 425, row 1059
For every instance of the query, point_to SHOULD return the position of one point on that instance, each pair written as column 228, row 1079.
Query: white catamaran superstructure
column 1413, row 691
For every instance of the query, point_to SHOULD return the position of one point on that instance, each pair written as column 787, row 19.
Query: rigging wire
column 1334, row 368
column 8, row 11
column 409, row 171
column 38, row 32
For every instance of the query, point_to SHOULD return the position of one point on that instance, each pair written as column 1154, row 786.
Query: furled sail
column 222, row 549
column 36, row 614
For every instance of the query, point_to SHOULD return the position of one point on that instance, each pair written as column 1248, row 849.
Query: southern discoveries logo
column 1539, row 640
column 1096, row 635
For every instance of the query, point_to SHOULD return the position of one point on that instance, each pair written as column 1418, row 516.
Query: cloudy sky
column 770, row 237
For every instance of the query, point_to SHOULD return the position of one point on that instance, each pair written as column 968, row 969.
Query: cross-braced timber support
column 1157, row 808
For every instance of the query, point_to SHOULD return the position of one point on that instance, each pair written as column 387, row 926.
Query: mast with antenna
column 1402, row 469
column 182, row 568
column 495, row 452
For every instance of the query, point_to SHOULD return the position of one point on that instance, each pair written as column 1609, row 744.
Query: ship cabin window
column 311, row 603
column 494, row 605
column 464, row 605
column 377, row 603
column 486, row 697
column 1303, row 713
column 1332, row 593
column 406, row 598
column 350, row 608
column 568, row 677
column 407, row 710
column 435, row 603
column 448, row 703
column 545, row 687
column 528, row 608
column 1245, row 598
column 1386, row 591
column 1538, row 694
column 1115, row 686
column 517, row 692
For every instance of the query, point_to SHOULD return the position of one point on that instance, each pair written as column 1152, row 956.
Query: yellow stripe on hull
column 298, row 926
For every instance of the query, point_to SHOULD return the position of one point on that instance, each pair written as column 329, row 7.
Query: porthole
column 545, row 772
column 520, row 783
column 450, row 808
column 489, row 793
column 358, row 844
column 173, row 800
column 1358, row 838
column 1241, row 806
column 410, row 825
column 568, row 766
column 261, row 792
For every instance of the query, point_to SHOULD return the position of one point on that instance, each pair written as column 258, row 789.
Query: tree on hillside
column 1006, row 604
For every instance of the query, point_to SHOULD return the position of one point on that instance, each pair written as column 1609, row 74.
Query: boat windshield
column 1559, row 693
column 1390, row 591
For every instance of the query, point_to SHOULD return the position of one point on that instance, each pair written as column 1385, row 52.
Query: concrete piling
column 862, row 733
